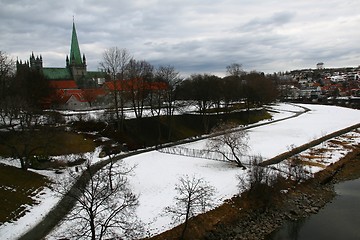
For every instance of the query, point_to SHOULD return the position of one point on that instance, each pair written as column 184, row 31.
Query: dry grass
column 17, row 187
column 338, row 143
column 314, row 164
column 47, row 143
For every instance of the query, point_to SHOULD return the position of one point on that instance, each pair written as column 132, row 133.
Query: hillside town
column 323, row 85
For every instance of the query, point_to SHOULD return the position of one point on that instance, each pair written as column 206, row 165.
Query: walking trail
column 64, row 206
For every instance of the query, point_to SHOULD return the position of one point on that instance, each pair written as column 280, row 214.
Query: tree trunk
column 92, row 227
column 24, row 165
column 116, row 108
column 186, row 218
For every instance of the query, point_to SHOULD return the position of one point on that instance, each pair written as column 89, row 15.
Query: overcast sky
column 194, row 36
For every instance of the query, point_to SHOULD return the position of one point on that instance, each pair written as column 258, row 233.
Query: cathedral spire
column 75, row 55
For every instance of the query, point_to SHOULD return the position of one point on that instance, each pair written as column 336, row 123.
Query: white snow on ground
column 157, row 173
column 273, row 139
column 46, row 199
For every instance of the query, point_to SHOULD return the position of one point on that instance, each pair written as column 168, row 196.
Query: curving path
column 64, row 206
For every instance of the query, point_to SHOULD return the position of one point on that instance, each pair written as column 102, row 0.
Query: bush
column 296, row 169
column 261, row 184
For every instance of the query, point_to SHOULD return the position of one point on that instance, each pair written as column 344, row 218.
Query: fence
column 204, row 153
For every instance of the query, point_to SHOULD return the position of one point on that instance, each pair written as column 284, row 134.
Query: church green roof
column 75, row 55
column 65, row 74
column 95, row 74
column 57, row 73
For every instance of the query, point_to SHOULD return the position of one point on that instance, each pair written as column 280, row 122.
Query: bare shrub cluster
column 105, row 205
column 226, row 140
column 260, row 183
column 194, row 196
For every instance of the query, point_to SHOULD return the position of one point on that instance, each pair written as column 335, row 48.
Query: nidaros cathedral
column 75, row 68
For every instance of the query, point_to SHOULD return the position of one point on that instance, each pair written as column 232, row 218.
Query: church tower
column 76, row 63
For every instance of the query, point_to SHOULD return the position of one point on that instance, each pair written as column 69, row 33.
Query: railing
column 204, row 153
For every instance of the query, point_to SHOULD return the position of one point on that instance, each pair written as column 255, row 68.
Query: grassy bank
column 17, row 190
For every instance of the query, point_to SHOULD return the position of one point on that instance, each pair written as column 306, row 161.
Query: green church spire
column 75, row 55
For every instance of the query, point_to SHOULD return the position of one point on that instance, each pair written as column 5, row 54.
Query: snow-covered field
column 156, row 174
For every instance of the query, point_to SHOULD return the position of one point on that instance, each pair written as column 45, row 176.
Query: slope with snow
column 156, row 174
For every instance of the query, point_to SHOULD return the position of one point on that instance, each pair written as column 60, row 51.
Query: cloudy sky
column 194, row 36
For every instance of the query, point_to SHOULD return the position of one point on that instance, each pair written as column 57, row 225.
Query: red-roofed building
column 66, row 84
column 69, row 96
column 134, row 84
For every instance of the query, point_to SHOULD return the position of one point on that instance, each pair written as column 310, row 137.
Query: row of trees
column 207, row 90
column 120, row 66
column 24, row 88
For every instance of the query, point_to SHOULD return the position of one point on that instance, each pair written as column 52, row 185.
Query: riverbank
column 243, row 218
column 300, row 202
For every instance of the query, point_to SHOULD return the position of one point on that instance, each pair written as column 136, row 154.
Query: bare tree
column 259, row 89
column 204, row 92
column 114, row 62
column 235, row 69
column 32, row 86
column 140, row 74
column 171, row 77
column 232, row 144
column 6, row 75
column 102, row 210
column 23, row 128
column 260, row 182
column 89, row 96
column 7, row 67
column 195, row 196
column 21, row 117
column 296, row 169
column 156, row 99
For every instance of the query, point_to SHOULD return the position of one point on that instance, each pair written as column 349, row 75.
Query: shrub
column 260, row 183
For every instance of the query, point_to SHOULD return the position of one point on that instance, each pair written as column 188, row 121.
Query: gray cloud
column 268, row 23
column 194, row 36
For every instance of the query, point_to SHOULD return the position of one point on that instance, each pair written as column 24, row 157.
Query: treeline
column 21, row 90
column 29, row 90
column 253, row 88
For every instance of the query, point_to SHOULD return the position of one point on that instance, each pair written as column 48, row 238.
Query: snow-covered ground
column 156, row 174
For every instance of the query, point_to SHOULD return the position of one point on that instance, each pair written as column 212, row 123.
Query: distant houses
column 341, row 85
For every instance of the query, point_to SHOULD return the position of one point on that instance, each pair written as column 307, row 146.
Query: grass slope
column 17, row 189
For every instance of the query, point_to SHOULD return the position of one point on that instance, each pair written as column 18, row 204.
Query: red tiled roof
column 119, row 85
column 66, row 84
column 126, row 85
column 158, row 86
column 63, row 95
column 95, row 91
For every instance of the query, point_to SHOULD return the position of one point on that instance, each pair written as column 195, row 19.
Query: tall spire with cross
column 75, row 55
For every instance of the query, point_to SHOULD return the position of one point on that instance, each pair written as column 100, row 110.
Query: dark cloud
column 194, row 36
